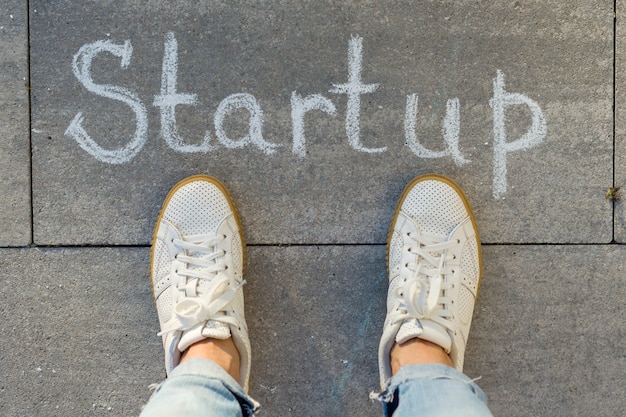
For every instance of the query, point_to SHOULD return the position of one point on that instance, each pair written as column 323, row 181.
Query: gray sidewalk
column 315, row 115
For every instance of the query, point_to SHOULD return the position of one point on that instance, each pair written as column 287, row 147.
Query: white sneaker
column 196, row 268
column 434, row 257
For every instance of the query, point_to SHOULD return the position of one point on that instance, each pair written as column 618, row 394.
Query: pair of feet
column 197, row 261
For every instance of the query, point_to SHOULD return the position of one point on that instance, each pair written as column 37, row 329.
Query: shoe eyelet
column 458, row 241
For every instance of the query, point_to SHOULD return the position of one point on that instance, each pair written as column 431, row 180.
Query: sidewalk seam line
column 30, row 123
column 614, row 107
column 304, row 245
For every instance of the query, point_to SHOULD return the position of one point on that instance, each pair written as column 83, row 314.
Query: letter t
column 353, row 89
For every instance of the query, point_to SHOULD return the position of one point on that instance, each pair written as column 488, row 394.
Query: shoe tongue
column 211, row 329
column 425, row 330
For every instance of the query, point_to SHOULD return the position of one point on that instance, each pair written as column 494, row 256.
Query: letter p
column 535, row 135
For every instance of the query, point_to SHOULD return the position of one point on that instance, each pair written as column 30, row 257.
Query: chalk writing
column 254, row 136
column 81, row 66
column 300, row 106
column 535, row 135
column 451, row 128
column 354, row 88
column 168, row 98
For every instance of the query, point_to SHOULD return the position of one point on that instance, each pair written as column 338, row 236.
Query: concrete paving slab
column 546, row 339
column 548, row 335
column 315, row 314
column 15, row 221
column 620, row 120
column 304, row 110
column 79, row 332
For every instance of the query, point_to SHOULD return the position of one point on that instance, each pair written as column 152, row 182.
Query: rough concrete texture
column 79, row 323
column 331, row 189
column 620, row 123
column 316, row 314
column 79, row 332
column 548, row 335
column 15, row 222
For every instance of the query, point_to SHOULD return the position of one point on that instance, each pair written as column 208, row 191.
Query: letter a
column 255, row 123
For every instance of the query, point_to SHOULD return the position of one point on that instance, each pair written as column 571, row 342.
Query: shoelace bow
column 420, row 296
column 202, row 287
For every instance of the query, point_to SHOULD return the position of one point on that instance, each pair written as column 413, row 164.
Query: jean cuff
column 209, row 369
column 425, row 372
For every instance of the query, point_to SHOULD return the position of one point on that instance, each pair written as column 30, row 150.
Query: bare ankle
column 417, row 351
column 222, row 352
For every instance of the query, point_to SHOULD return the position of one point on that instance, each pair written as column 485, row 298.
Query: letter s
column 81, row 66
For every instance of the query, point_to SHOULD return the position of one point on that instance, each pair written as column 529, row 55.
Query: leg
column 417, row 351
column 222, row 352
column 434, row 272
column 197, row 273
column 199, row 388
column 434, row 390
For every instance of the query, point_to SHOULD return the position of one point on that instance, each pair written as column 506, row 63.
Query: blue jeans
column 198, row 387
column 432, row 390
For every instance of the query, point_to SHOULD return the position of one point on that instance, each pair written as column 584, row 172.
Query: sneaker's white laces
column 203, row 290
column 421, row 295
